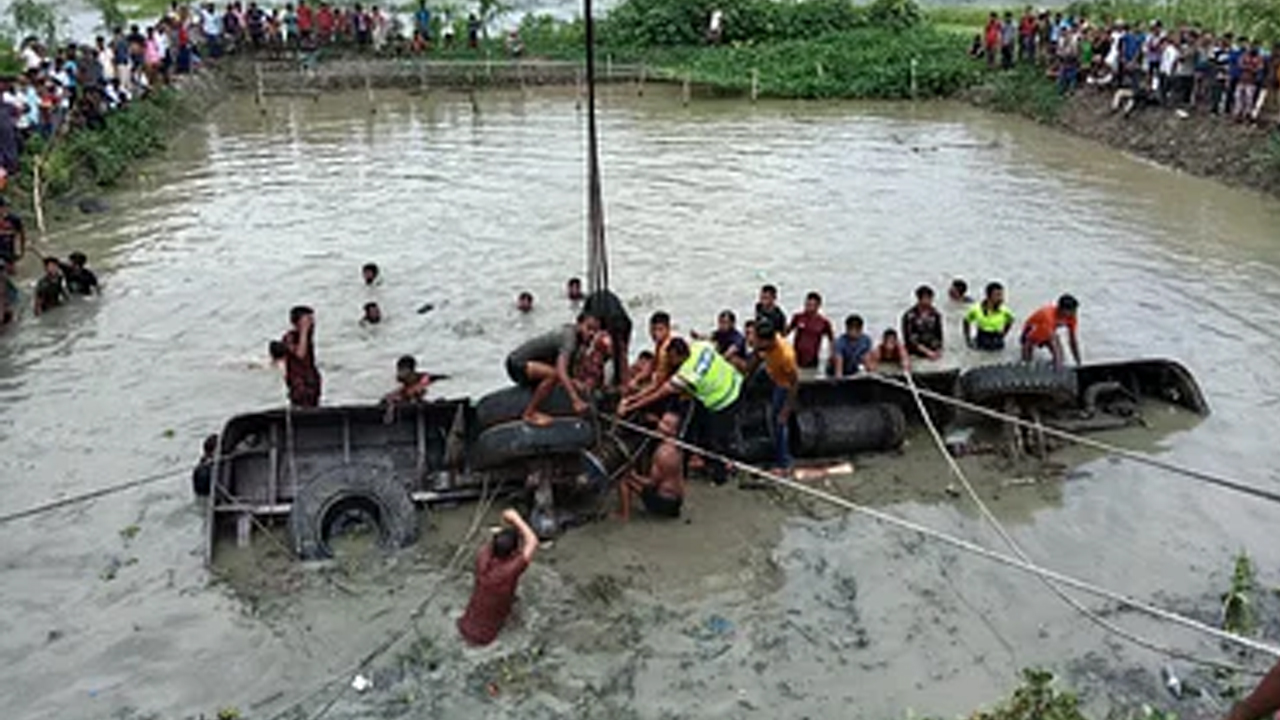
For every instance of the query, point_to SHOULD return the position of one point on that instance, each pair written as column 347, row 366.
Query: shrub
column 667, row 23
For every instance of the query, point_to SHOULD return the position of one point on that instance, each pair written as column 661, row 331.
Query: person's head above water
column 766, row 335
column 924, row 296
column 524, row 302
column 889, row 340
column 52, row 267
column 726, row 320
column 505, row 543
column 659, row 327
column 297, row 312
column 995, row 294
column 853, row 325
column 210, row 446
column 812, row 302
column 370, row 273
column 588, row 324
column 406, row 369
column 768, row 295
column 277, row 350
column 958, row 290
column 677, row 351
column 78, row 259
column 1068, row 306
column 573, row 289
column 372, row 313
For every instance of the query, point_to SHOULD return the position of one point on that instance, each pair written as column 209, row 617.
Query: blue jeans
column 781, row 439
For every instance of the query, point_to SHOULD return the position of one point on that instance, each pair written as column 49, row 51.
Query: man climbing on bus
column 545, row 361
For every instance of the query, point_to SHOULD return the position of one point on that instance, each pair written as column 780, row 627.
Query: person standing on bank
column 499, row 565
column 301, row 375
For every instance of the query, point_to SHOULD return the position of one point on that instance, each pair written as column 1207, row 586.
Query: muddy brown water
column 758, row 606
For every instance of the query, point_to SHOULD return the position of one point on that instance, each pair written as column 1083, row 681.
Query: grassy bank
column 815, row 49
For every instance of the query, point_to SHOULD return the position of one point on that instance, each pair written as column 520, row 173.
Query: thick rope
column 1211, row 478
column 597, row 257
column 969, row 547
column 1016, row 549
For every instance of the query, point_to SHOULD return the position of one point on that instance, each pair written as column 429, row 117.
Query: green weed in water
column 1237, row 608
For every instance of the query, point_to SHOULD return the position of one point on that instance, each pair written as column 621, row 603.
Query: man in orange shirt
column 779, row 360
column 1041, row 330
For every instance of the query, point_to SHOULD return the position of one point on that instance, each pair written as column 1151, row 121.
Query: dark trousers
column 717, row 431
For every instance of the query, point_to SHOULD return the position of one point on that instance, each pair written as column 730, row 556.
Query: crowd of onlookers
column 1184, row 67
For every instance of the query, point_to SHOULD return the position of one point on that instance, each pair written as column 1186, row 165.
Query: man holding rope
column 704, row 374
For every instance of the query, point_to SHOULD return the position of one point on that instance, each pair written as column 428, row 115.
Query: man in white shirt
column 31, row 58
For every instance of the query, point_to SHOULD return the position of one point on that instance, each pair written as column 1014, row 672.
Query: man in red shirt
column 1027, row 34
column 300, row 372
column 810, row 327
column 304, row 20
column 992, row 39
column 324, row 22
column 499, row 566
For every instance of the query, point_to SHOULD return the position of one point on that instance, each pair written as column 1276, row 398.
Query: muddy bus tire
column 508, row 404
column 512, row 442
column 839, row 431
column 992, row 384
column 352, row 493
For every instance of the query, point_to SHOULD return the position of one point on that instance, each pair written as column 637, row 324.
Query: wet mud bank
column 1197, row 143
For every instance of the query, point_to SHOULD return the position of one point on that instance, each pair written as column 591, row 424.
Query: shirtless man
column 545, row 361
column 662, row 490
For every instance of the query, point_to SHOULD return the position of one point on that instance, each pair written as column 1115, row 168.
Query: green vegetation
column 1237, row 608
column 1268, row 161
column 100, row 157
column 1024, row 91
column 1038, row 698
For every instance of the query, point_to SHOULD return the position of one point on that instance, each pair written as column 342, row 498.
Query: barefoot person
column 1041, row 330
column 779, row 360
column 545, row 361
column 499, row 566
column 707, row 376
column 661, row 491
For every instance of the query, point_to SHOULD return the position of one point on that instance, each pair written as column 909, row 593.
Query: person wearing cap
column 1041, row 330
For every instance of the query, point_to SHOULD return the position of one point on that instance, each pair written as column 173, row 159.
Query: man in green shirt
column 714, row 383
column 991, row 319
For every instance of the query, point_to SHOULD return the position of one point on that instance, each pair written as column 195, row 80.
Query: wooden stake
column 644, row 69
column 687, row 91
column 258, row 96
column 368, row 88
column 755, row 84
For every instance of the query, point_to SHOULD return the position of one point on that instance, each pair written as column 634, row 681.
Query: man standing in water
column 499, row 566
column 50, row 290
column 301, row 375
column 809, row 328
column 922, row 326
column 662, row 490
column 545, row 361
column 413, row 384
column 13, row 245
column 1041, row 330
column 714, row 383
column 573, row 290
column 992, row 321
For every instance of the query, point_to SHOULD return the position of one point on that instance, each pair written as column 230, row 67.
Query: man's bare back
column 662, row 490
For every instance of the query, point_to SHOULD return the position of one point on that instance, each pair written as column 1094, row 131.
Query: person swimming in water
column 372, row 314
column 413, row 384
column 524, row 302
column 370, row 273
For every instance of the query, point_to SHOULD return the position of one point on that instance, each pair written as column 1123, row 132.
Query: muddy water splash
column 739, row 613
